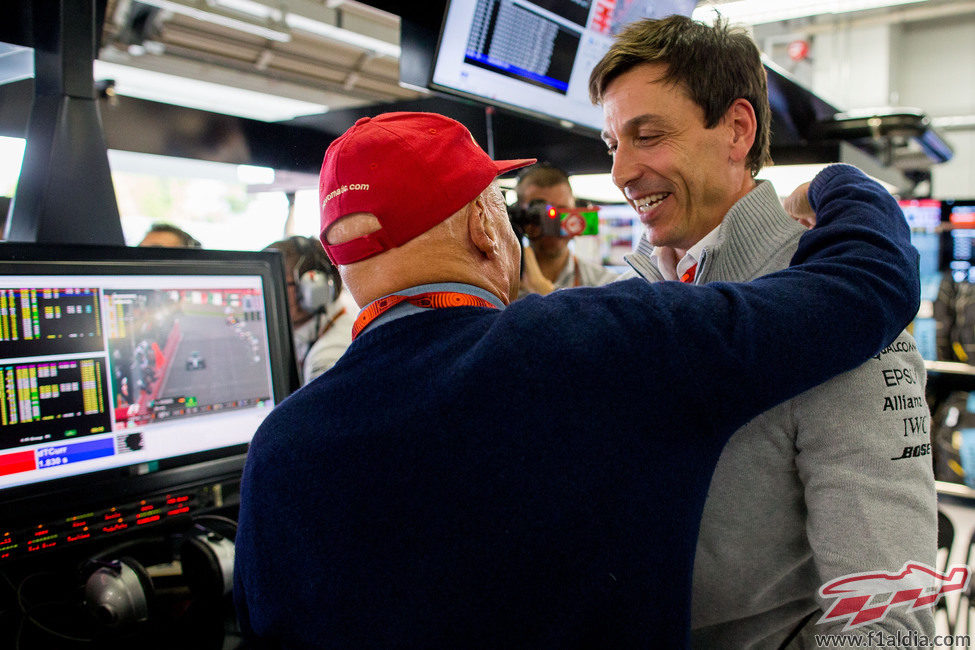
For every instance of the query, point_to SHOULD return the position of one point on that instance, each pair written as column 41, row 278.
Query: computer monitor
column 923, row 216
column 536, row 56
column 131, row 378
column 924, row 219
column 960, row 218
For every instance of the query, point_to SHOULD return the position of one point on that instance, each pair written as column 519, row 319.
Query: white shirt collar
column 665, row 258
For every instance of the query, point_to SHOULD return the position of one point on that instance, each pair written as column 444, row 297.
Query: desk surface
column 955, row 491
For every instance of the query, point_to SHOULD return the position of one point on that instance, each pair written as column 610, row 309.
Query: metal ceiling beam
column 271, row 81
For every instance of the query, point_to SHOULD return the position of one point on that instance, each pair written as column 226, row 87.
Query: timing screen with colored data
column 99, row 372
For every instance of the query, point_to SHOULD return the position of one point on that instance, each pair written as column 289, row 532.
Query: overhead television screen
column 535, row 56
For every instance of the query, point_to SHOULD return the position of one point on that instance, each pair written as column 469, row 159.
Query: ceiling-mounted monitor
column 535, row 57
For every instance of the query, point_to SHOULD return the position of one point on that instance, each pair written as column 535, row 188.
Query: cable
column 11, row 611
column 10, row 583
column 27, row 616
column 226, row 520
column 158, row 541
column 218, row 519
column 20, row 633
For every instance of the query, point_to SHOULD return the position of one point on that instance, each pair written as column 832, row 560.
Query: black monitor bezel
column 419, row 50
column 946, row 255
column 948, row 204
column 22, row 505
column 564, row 122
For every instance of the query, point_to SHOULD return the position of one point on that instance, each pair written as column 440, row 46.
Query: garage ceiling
column 338, row 54
column 334, row 53
column 342, row 58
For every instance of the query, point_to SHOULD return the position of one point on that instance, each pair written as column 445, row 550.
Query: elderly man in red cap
column 477, row 475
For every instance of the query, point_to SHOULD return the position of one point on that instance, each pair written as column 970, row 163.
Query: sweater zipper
column 701, row 267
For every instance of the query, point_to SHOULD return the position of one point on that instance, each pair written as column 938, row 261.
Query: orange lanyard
column 430, row 300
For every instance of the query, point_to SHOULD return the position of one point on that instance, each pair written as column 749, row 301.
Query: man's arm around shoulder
column 864, row 459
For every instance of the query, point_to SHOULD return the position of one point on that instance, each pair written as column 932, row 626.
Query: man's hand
column 797, row 205
column 532, row 279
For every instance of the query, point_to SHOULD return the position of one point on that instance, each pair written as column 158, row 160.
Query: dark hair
column 716, row 65
column 186, row 240
column 541, row 175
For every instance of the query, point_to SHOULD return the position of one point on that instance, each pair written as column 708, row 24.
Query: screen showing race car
column 101, row 371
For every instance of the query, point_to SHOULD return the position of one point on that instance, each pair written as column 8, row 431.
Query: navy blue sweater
column 534, row 477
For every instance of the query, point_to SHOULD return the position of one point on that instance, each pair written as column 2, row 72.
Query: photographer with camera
column 549, row 264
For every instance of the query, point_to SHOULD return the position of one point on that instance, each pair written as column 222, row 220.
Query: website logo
column 863, row 598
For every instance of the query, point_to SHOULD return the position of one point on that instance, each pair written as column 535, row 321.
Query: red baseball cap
column 410, row 170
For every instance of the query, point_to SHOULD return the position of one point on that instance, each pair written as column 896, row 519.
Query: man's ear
column 740, row 118
column 481, row 230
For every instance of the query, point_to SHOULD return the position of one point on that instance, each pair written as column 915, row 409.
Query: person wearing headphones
column 320, row 325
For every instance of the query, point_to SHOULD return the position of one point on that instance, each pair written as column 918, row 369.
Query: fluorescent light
column 169, row 166
column 787, row 178
column 954, row 122
column 342, row 35
column 216, row 17
column 202, row 95
column 753, row 12
column 253, row 175
column 250, row 7
column 11, row 156
column 16, row 63
column 296, row 20
column 596, row 187
column 600, row 188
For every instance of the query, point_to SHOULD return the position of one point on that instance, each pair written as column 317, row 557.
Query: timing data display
column 961, row 219
column 536, row 56
column 48, row 319
column 52, row 400
column 923, row 216
column 105, row 371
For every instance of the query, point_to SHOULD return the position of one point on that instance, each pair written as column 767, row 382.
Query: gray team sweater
column 835, row 481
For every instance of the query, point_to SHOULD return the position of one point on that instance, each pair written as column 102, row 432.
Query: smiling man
column 432, row 489
column 821, row 486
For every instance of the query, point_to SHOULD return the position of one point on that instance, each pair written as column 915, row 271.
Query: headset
column 317, row 281
column 119, row 590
